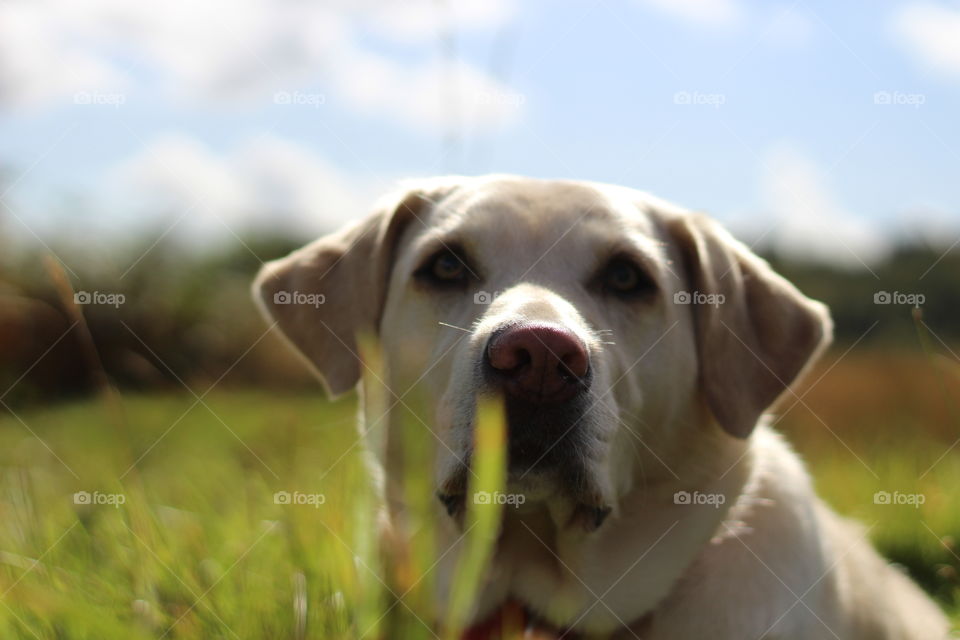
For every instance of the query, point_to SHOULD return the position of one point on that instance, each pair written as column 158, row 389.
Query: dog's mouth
column 586, row 512
column 547, row 445
column 544, row 437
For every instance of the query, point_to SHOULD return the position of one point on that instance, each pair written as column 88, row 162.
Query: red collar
column 512, row 621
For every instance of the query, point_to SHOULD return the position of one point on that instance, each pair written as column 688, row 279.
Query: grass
column 202, row 549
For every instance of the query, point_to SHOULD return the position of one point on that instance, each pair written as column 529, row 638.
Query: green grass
column 200, row 549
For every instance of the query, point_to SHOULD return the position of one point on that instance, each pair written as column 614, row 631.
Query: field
column 181, row 532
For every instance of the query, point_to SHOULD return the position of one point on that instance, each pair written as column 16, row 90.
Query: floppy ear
column 757, row 332
column 322, row 295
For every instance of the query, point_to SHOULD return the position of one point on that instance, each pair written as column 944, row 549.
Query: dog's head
column 614, row 326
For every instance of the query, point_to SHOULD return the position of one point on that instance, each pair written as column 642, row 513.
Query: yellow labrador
column 636, row 346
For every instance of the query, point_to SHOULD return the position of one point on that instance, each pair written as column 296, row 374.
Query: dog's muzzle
column 542, row 370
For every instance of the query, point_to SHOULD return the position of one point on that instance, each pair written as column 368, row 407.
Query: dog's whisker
column 453, row 326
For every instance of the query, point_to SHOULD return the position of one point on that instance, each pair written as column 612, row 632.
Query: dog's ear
column 324, row 294
column 756, row 332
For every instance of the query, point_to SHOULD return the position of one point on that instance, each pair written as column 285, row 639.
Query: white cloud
column 176, row 173
column 266, row 183
column 417, row 19
column 237, row 53
column 806, row 221
column 297, row 187
column 422, row 97
column 38, row 64
column 931, row 34
column 709, row 13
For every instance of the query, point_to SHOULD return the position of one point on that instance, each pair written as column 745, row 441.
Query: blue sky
column 824, row 128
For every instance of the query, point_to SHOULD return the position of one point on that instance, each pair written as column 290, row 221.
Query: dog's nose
column 539, row 361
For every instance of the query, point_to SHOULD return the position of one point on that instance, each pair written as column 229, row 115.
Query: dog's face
column 613, row 326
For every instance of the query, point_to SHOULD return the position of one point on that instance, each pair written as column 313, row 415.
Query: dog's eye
column 447, row 266
column 444, row 268
column 623, row 277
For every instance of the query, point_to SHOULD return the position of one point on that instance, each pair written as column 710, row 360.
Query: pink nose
column 539, row 361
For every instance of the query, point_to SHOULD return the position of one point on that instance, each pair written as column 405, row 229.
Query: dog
column 635, row 346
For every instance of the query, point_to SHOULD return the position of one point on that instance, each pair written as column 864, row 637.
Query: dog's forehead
column 545, row 210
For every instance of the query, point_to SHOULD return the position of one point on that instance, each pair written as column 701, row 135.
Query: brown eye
column 447, row 267
column 444, row 269
column 622, row 277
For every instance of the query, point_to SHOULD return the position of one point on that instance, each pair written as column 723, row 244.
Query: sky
column 824, row 129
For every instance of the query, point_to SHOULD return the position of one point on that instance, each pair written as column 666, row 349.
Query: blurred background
column 162, row 153
column 152, row 156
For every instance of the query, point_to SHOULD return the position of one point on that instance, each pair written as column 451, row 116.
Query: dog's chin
column 569, row 509
column 571, row 505
column 534, row 487
column 557, row 480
